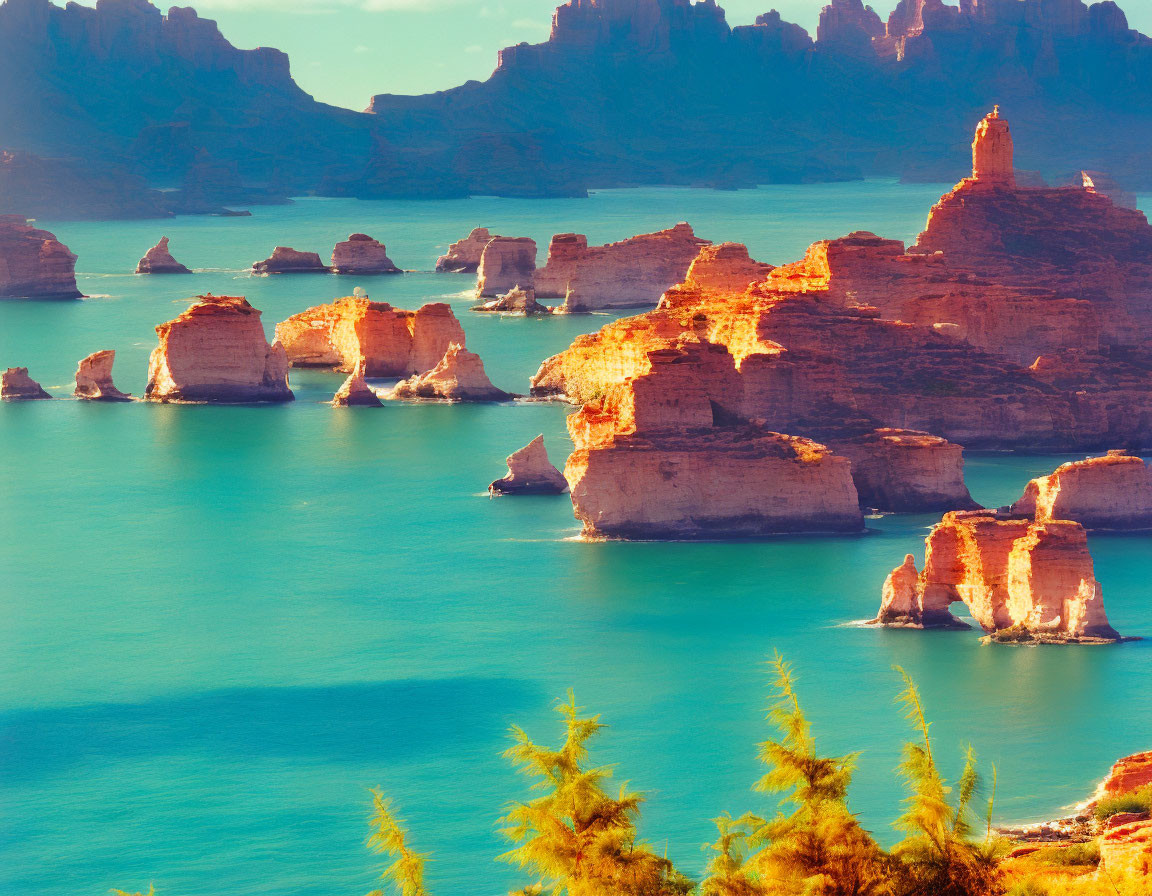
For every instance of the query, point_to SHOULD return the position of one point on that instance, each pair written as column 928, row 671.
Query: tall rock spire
column 992, row 151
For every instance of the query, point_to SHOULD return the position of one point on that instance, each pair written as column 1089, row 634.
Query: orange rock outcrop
column 284, row 260
column 1020, row 579
column 17, row 385
column 506, row 263
column 1110, row 492
column 391, row 341
column 216, row 351
column 159, row 260
column 992, row 152
column 530, row 472
column 725, row 268
column 459, row 376
column 355, row 392
column 630, row 273
column 360, row 254
column 94, row 379
column 463, row 256
column 518, row 302
column 1128, row 775
column 33, row 263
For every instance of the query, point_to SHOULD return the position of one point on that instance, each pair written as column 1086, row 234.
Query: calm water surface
column 220, row 626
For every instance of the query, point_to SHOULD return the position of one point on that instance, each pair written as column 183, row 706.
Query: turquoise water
column 220, row 626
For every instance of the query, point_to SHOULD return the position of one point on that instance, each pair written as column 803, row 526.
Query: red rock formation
column 1111, row 492
column 158, row 260
column 1126, row 854
column 506, row 263
column 900, row 471
column 516, row 301
column 1128, row 775
column 849, row 24
column 626, row 274
column 288, row 261
column 216, row 352
column 16, row 385
column 360, row 254
column 463, row 256
column 33, row 263
column 530, row 473
column 1101, row 182
column 94, row 379
column 391, row 341
column 725, row 268
column 459, row 376
column 356, row 392
column 1021, row 580
column 992, row 152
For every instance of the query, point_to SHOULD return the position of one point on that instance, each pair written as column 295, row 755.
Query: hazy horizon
column 345, row 51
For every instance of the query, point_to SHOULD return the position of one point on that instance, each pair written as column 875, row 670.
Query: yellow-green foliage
column 1138, row 801
column 576, row 836
column 390, row 838
column 1082, row 854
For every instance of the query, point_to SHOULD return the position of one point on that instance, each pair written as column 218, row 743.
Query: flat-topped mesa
column 903, row 471
column 530, row 472
column 992, row 152
column 360, row 254
column 516, row 301
column 391, row 341
column 725, row 268
column 631, row 273
column 356, row 392
column 216, row 351
column 1023, row 581
column 459, row 376
column 33, row 263
column 16, row 385
column 1110, row 492
column 94, row 379
column 656, row 459
column 284, row 260
column 463, row 256
column 158, row 260
column 506, row 263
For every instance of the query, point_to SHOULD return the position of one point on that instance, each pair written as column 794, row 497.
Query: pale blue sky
column 344, row 51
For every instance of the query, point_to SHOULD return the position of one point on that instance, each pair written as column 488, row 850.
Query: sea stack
column 1023, row 581
column 517, row 302
column 158, row 260
column 507, row 263
column 360, row 254
column 16, row 385
column 992, row 152
column 530, row 473
column 459, row 376
column 216, row 352
column 33, row 263
column 94, row 379
column 356, row 392
column 463, row 256
column 288, row 261
column 1110, row 492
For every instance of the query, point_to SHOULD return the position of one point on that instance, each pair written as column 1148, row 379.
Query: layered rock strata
column 94, row 379
column 33, row 263
column 1110, row 492
column 360, row 254
column 391, row 341
column 726, row 268
column 463, row 256
column 158, row 260
column 17, row 385
column 633, row 272
column 216, row 351
column 459, row 376
column 656, row 458
column 516, row 301
column 355, row 392
column 284, row 260
column 507, row 263
column 530, row 472
column 1022, row 581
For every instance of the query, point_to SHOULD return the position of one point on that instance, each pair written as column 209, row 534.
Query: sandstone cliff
column 506, row 263
column 356, row 392
column 288, row 261
column 725, row 268
column 1021, row 580
column 391, row 341
column 463, row 256
column 216, row 351
column 158, row 260
column 1111, row 492
column 530, row 473
column 459, row 376
column 16, row 385
column 94, row 379
column 626, row 274
column 33, row 263
column 360, row 254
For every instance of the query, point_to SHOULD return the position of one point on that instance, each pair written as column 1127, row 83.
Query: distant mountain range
column 123, row 111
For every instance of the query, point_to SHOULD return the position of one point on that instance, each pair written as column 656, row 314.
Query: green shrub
column 1076, row 854
column 1137, row 801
